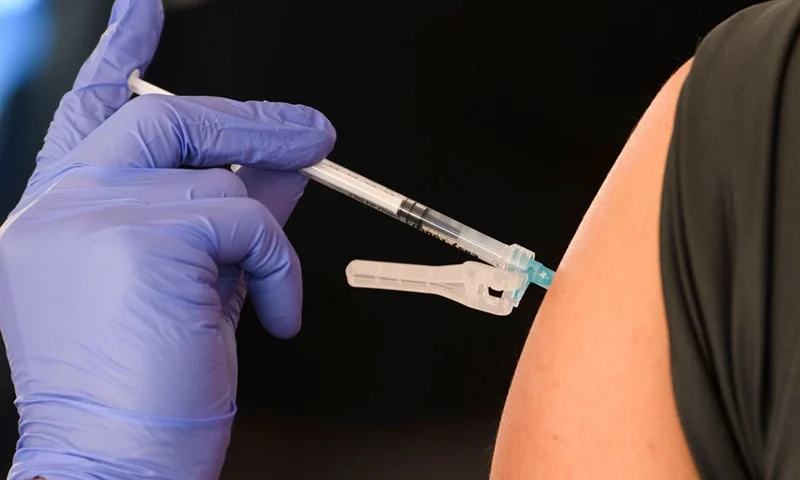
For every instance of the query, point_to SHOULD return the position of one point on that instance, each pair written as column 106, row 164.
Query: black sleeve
column 730, row 247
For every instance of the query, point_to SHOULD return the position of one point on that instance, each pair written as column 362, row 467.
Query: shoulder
column 592, row 393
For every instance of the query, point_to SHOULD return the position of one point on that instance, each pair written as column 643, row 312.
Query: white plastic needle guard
column 469, row 284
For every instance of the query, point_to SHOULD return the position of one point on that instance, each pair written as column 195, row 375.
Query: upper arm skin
column 592, row 395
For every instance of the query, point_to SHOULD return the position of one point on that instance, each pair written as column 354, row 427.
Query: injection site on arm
column 466, row 284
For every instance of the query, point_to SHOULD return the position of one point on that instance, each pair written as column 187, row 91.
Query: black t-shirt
column 730, row 247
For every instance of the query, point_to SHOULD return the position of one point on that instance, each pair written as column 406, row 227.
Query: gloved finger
column 154, row 186
column 160, row 131
column 277, row 190
column 101, row 88
column 242, row 231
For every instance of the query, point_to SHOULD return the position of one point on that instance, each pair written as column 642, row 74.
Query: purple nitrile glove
column 122, row 277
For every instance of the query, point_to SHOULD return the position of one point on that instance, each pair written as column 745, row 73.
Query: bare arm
column 592, row 395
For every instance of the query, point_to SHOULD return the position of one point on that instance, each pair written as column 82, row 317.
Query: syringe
column 507, row 257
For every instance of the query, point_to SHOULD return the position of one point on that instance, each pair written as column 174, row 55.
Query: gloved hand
column 122, row 277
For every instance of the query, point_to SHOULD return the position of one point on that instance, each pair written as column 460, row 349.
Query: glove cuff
column 67, row 439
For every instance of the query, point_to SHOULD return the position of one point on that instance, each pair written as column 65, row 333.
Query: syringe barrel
column 356, row 187
column 454, row 233
column 410, row 212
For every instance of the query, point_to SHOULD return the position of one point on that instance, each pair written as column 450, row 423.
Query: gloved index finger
column 159, row 131
column 100, row 89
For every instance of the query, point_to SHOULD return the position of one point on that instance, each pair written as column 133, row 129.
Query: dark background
column 503, row 115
